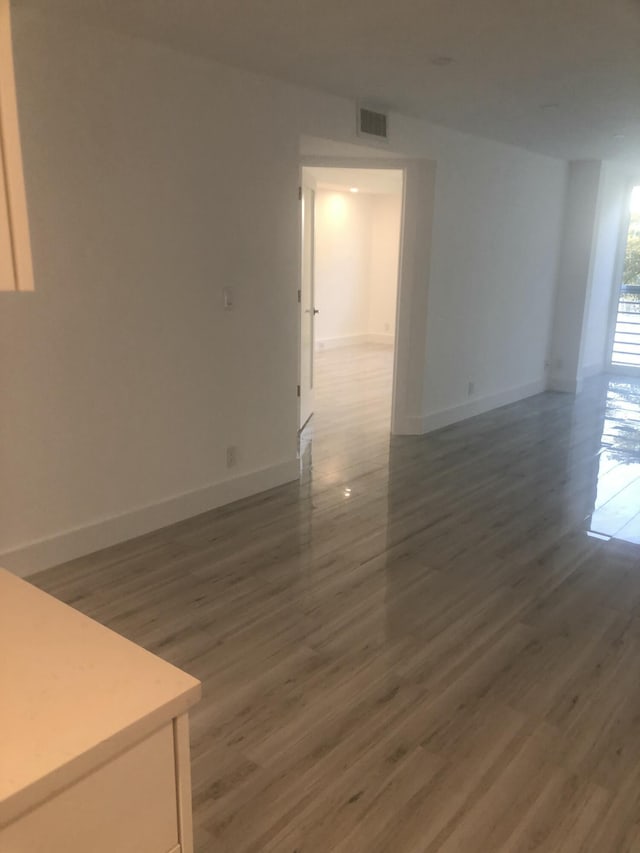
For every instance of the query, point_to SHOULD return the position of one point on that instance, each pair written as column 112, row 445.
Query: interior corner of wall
column 564, row 384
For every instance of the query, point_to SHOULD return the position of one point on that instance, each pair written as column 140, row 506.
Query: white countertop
column 72, row 695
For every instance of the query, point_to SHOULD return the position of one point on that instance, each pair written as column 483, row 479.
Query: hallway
column 422, row 646
column 350, row 427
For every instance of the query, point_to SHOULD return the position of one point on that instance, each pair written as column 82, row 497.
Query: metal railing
column 626, row 340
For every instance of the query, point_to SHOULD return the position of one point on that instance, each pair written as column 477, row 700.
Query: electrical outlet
column 472, row 388
column 227, row 294
column 386, row 327
column 232, row 456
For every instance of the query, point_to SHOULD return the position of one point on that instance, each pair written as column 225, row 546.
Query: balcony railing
column 626, row 341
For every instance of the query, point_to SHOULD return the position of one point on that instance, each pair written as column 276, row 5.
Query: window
column 15, row 251
column 626, row 339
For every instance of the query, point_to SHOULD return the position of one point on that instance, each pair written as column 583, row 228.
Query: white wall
column 613, row 202
column 342, row 265
column 596, row 200
column 154, row 180
column 122, row 378
column 574, row 272
column 383, row 277
column 496, row 243
column 356, row 266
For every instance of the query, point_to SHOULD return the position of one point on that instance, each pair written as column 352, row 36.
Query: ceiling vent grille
column 372, row 123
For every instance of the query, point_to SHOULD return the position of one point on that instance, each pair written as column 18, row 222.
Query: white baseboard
column 592, row 370
column 378, row 338
column 408, row 425
column 353, row 340
column 565, row 386
column 44, row 553
column 478, row 406
column 336, row 343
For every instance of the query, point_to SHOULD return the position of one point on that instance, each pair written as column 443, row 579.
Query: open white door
column 307, row 307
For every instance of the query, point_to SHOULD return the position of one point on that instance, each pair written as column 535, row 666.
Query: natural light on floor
column 617, row 504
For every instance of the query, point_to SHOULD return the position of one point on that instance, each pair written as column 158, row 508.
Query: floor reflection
column 423, row 644
column 540, row 467
column 616, row 512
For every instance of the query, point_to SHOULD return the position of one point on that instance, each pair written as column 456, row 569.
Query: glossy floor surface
column 428, row 644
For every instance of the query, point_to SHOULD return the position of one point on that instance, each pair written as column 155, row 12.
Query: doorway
column 351, row 243
column 625, row 349
column 306, row 299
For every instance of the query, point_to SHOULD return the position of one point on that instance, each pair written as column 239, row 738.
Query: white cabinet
column 94, row 753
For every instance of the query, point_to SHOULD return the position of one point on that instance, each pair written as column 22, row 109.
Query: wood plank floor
column 428, row 644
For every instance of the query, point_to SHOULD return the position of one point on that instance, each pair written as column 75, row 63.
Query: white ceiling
column 558, row 76
column 377, row 181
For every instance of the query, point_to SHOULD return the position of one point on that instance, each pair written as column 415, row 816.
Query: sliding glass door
column 625, row 353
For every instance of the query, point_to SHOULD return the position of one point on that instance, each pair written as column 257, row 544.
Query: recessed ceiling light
column 442, row 60
column 619, row 137
column 353, row 189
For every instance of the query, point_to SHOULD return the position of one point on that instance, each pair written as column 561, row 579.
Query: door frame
column 414, row 266
column 618, row 268
column 306, row 182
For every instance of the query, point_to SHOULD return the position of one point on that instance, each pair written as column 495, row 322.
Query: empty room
column 319, row 427
column 352, row 223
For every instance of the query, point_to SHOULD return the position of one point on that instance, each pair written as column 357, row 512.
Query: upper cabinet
column 16, row 271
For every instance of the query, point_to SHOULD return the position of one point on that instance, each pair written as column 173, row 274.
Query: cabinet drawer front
column 127, row 806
